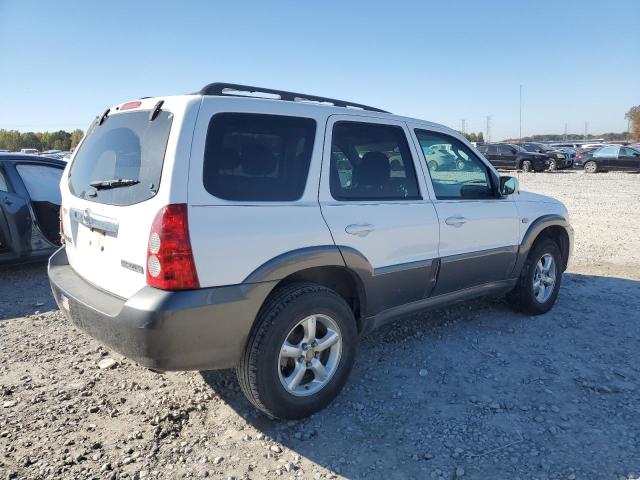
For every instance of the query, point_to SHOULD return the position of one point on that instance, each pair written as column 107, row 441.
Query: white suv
column 218, row 230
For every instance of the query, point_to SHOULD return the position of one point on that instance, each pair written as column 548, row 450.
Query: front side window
column 629, row 152
column 607, row 152
column 128, row 149
column 371, row 162
column 41, row 181
column 256, row 157
column 459, row 173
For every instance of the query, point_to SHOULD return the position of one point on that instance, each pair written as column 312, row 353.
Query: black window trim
column 374, row 200
column 298, row 201
column 494, row 180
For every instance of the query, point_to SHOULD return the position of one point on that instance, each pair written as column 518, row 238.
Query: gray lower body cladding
column 187, row 330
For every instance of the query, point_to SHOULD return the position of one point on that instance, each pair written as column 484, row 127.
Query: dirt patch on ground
column 471, row 391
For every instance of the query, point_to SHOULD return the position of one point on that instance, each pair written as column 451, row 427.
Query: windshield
column 127, row 152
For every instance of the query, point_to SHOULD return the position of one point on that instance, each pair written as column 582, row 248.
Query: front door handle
column 455, row 221
column 359, row 229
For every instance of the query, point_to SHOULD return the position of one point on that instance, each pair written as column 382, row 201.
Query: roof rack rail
column 233, row 89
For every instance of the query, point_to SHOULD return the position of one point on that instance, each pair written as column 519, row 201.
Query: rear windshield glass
column 127, row 146
column 255, row 157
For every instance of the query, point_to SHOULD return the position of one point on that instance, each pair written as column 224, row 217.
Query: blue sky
column 61, row 63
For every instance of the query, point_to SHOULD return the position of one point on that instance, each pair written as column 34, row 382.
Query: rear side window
column 127, row 146
column 371, row 162
column 606, row 152
column 256, row 157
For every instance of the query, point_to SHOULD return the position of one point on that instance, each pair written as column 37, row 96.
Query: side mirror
column 509, row 185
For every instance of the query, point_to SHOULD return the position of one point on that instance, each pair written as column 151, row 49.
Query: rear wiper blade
column 115, row 183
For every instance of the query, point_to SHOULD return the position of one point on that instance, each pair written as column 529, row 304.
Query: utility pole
column 565, row 133
column 520, row 113
column 464, row 126
column 586, row 129
column 488, row 139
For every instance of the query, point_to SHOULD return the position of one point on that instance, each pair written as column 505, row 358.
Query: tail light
column 170, row 264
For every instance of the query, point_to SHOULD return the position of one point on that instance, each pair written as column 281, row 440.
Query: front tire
column 539, row 282
column 553, row 165
column 300, row 351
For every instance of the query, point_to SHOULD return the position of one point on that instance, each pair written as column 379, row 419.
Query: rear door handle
column 359, row 229
column 455, row 221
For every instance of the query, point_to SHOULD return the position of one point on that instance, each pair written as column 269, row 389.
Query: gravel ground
column 472, row 391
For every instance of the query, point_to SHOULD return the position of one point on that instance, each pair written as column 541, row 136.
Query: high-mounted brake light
column 130, row 105
column 170, row 264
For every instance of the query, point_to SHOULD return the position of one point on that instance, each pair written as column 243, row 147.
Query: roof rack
column 235, row 90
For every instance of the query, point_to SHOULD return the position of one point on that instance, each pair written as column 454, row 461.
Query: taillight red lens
column 170, row 264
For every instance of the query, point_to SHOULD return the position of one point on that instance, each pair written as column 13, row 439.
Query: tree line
column 474, row 137
column 14, row 140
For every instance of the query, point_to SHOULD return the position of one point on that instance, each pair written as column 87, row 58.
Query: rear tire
column 539, row 283
column 527, row 166
column 553, row 165
column 281, row 352
column 591, row 167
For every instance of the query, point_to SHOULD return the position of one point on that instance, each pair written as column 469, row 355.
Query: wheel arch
column 551, row 226
column 323, row 265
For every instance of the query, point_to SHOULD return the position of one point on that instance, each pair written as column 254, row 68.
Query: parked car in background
column 513, row 157
column 610, row 158
column 558, row 159
column 29, row 207
column 212, row 231
column 442, row 157
column 29, row 151
column 574, row 145
column 593, row 145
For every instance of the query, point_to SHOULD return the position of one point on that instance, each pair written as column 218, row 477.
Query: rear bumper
column 187, row 330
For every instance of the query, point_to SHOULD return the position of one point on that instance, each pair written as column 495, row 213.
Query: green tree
column 76, row 136
column 480, row 138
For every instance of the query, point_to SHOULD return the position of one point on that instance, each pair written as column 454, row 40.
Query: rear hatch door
column 111, row 195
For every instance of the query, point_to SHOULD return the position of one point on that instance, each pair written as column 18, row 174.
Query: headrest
column 374, row 170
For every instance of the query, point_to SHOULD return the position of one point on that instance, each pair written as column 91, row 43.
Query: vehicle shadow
column 25, row 290
column 433, row 393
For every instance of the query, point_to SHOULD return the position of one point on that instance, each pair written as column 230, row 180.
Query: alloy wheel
column 310, row 355
column 544, row 278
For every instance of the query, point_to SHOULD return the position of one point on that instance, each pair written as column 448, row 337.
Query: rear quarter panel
column 231, row 239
